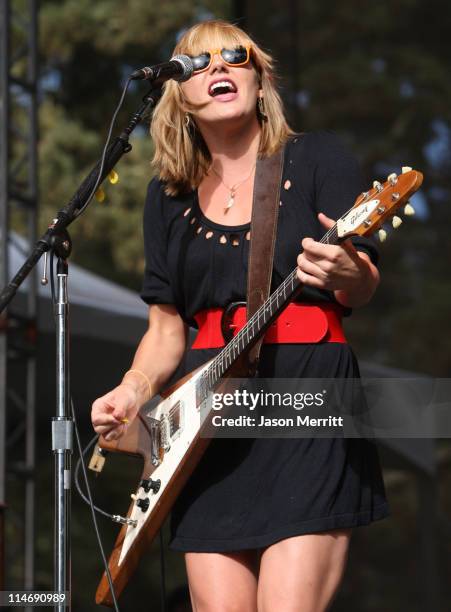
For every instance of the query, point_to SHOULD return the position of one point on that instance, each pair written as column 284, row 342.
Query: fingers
column 116, row 433
column 308, row 279
column 110, row 414
column 318, row 250
column 312, row 269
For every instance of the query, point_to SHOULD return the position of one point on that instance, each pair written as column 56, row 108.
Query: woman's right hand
column 109, row 412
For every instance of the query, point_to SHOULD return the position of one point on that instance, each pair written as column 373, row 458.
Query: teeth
column 221, row 84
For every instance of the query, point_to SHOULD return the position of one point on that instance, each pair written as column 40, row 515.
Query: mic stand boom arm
column 79, row 200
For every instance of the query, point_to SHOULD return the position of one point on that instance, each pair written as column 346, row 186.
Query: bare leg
column 223, row 582
column 303, row 573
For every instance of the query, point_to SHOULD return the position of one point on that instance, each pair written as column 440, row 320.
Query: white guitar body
column 179, row 420
column 167, row 435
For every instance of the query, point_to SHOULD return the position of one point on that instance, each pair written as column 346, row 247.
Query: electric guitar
column 167, row 432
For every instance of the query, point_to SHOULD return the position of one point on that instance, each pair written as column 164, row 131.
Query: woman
column 266, row 526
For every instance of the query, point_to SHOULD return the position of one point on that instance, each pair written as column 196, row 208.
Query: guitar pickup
column 97, row 460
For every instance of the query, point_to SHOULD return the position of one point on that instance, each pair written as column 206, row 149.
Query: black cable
column 110, row 131
column 112, row 517
column 94, row 518
column 77, row 480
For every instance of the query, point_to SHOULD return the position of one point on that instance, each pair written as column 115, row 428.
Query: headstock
column 373, row 208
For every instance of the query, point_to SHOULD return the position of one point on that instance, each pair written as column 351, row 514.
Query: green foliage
column 86, row 49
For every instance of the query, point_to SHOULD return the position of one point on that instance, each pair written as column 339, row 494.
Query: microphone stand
column 57, row 240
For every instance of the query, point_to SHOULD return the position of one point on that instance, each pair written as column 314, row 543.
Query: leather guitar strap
column 265, row 209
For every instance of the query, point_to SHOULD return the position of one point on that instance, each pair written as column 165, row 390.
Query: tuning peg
column 392, row 178
column 377, row 185
column 406, row 169
column 382, row 235
column 396, row 221
column 409, row 210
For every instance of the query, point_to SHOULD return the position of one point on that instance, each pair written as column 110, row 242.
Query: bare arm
column 157, row 356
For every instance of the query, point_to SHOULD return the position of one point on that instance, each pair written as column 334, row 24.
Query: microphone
column 180, row 68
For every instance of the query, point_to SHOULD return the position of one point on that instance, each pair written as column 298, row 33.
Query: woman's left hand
column 350, row 274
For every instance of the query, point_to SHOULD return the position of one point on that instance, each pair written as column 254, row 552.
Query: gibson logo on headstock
column 354, row 217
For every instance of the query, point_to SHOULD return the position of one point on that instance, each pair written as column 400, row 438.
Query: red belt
column 297, row 323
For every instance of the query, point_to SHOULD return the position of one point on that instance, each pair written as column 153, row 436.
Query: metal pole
column 30, row 434
column 4, row 188
column 62, row 437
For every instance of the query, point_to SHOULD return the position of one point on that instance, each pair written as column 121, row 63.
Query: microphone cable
column 105, row 148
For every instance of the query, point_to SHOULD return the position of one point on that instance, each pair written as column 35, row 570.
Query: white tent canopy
column 98, row 307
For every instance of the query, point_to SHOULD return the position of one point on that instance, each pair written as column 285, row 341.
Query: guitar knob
column 409, row 210
column 151, row 485
column 406, row 169
column 143, row 503
column 382, row 235
column 396, row 221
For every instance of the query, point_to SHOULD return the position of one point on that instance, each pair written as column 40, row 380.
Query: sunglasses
column 239, row 56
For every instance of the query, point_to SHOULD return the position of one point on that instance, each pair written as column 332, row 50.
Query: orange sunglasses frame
column 214, row 52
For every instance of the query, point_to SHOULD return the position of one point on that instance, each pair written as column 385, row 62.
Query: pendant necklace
column 234, row 188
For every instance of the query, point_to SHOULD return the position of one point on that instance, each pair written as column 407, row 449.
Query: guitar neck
column 258, row 323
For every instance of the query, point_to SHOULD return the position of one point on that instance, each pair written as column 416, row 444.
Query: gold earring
column 187, row 120
column 261, row 108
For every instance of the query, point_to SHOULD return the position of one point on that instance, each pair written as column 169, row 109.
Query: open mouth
column 222, row 87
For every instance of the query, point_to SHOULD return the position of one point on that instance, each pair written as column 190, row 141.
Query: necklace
column 233, row 189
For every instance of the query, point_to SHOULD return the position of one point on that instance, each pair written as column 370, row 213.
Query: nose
column 217, row 62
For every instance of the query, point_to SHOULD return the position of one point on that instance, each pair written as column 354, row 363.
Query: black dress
column 250, row 493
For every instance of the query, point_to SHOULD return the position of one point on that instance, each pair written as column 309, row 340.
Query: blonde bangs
column 181, row 156
column 211, row 35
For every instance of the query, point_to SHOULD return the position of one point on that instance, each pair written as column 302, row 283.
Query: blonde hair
column 181, row 155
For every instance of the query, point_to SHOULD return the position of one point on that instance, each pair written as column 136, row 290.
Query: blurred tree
column 378, row 74
column 87, row 49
